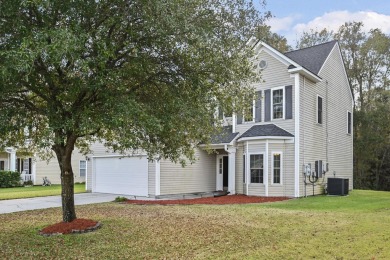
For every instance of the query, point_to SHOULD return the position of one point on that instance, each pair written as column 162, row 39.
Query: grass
column 35, row 191
column 353, row 227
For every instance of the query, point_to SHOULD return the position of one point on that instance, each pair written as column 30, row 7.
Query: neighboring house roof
column 225, row 137
column 266, row 130
column 312, row 58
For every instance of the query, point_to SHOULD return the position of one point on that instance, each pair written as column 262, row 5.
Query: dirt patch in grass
column 79, row 225
column 232, row 199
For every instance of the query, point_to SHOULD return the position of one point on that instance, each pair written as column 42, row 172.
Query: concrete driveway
column 9, row 206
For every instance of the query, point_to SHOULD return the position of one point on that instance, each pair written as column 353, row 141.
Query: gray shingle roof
column 266, row 130
column 225, row 137
column 312, row 58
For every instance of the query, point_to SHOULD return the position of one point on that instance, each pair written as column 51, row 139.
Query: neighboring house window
column 2, row 165
column 349, row 123
column 277, row 168
column 83, row 168
column 256, row 168
column 319, row 110
column 277, row 103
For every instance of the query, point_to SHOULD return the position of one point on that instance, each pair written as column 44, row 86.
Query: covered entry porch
column 12, row 160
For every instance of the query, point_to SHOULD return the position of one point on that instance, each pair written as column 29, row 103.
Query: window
column 249, row 113
column 276, row 171
column 83, row 168
column 2, row 165
column 349, row 123
column 256, row 168
column 319, row 110
column 277, row 103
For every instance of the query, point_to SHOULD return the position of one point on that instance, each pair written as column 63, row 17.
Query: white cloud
column 282, row 24
column 334, row 20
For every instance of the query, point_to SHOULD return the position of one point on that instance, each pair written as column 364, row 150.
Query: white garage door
column 122, row 175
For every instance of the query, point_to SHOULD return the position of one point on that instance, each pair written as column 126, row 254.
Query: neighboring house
column 302, row 114
column 35, row 169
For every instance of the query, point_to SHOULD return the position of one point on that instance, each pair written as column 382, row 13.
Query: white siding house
column 302, row 115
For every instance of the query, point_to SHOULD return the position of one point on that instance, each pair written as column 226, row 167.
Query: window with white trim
column 319, row 110
column 83, row 168
column 277, row 103
column 257, row 168
column 276, row 168
column 349, row 119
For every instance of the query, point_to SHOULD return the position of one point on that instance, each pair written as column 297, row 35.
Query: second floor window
column 319, row 110
column 349, row 126
column 277, row 103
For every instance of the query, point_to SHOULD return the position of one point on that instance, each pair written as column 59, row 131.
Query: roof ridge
column 311, row 46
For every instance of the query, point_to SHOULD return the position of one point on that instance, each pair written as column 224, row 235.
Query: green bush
column 120, row 199
column 9, row 179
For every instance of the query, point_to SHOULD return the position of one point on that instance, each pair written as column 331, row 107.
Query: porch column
column 157, row 183
column 33, row 170
column 232, row 170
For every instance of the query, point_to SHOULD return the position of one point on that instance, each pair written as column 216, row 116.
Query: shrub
column 120, row 199
column 9, row 179
column 28, row 183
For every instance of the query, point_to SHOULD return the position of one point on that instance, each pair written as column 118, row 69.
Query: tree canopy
column 136, row 75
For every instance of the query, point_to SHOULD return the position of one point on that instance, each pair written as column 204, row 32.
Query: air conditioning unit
column 338, row 186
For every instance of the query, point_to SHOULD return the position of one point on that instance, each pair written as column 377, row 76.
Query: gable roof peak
column 313, row 57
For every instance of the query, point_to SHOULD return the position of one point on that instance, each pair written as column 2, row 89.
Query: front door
column 222, row 172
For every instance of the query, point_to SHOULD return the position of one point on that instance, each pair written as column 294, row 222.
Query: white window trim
column 317, row 110
column 86, row 166
column 249, row 180
column 283, row 103
column 348, row 112
column 281, row 169
column 244, row 121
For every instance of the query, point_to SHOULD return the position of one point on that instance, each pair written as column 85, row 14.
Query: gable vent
column 263, row 64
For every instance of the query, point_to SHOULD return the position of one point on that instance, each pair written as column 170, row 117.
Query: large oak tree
column 134, row 74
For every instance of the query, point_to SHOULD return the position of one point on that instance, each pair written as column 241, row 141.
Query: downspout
column 246, row 168
column 266, row 168
column 297, row 134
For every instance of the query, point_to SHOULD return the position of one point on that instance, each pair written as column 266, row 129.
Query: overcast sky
column 292, row 17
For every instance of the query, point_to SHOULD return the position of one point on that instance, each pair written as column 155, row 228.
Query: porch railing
column 26, row 177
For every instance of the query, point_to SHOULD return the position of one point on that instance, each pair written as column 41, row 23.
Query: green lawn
column 353, row 227
column 35, row 191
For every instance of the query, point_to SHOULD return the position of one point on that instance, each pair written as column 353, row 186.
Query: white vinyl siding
column 329, row 143
column 197, row 177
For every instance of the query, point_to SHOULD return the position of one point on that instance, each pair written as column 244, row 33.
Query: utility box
column 338, row 186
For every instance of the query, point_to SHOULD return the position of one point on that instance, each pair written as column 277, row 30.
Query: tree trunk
column 64, row 156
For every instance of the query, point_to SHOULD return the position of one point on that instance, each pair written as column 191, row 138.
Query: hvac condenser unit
column 338, row 186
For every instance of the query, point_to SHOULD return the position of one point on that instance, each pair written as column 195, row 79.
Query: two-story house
column 302, row 115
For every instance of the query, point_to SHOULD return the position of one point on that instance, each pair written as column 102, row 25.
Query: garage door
column 122, row 175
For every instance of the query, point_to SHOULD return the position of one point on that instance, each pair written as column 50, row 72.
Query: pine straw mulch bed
column 223, row 200
column 86, row 225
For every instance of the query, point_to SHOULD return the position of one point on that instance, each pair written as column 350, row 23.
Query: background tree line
column 367, row 61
